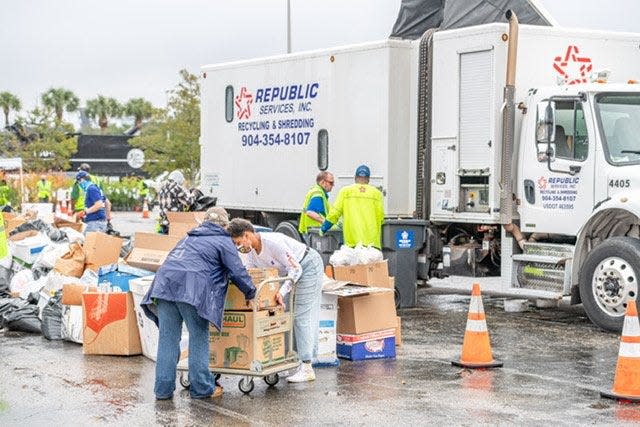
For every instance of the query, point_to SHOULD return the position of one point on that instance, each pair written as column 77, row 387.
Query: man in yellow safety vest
column 316, row 203
column 362, row 209
column 44, row 189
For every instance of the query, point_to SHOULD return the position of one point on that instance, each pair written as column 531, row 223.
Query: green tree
column 140, row 109
column 48, row 143
column 8, row 102
column 171, row 140
column 59, row 100
column 103, row 108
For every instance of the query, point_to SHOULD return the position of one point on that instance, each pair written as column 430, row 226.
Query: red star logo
column 573, row 68
column 243, row 103
column 542, row 183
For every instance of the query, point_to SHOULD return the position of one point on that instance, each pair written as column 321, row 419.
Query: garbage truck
column 508, row 155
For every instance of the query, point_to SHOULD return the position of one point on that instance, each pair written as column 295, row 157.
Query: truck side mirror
column 546, row 125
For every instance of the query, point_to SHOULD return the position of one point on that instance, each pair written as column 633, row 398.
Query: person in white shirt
column 304, row 267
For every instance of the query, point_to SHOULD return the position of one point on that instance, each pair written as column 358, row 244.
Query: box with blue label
column 372, row 345
column 117, row 278
column 28, row 245
column 328, row 318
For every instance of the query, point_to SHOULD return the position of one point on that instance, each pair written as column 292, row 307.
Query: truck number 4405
column 620, row 183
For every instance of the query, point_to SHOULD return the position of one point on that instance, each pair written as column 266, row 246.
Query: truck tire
column 608, row 279
column 289, row 228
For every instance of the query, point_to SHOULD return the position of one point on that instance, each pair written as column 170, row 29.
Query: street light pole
column 288, row 26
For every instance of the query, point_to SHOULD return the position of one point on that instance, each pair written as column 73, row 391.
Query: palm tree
column 103, row 108
column 8, row 102
column 60, row 99
column 139, row 109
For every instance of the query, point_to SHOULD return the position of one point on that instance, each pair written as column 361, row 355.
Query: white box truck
column 528, row 185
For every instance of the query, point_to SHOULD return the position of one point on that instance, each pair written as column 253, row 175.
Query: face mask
column 84, row 185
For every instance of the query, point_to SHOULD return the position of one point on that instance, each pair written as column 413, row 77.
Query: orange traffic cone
column 476, row 348
column 63, row 207
column 145, row 210
column 626, row 385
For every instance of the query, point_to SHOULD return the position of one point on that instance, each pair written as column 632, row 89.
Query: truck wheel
column 289, row 228
column 608, row 279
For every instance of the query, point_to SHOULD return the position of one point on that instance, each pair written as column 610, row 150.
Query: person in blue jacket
column 191, row 286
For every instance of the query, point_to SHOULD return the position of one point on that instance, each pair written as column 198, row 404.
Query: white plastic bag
column 55, row 281
column 344, row 256
column 73, row 235
column 20, row 281
column 51, row 254
column 72, row 323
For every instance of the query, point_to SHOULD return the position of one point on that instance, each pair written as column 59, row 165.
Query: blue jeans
column 170, row 316
column 308, row 293
column 100, row 226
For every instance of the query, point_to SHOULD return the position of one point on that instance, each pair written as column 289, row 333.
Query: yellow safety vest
column 362, row 210
column 305, row 221
column 44, row 189
column 4, row 248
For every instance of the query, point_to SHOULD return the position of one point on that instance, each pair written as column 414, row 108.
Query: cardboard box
column 233, row 346
column 109, row 324
column 374, row 274
column 44, row 211
column 11, row 222
column 266, row 298
column 328, row 318
column 101, row 249
column 373, row 345
column 27, row 245
column 62, row 223
column 149, row 333
column 181, row 222
column 72, row 294
column 360, row 312
column 150, row 250
column 398, row 331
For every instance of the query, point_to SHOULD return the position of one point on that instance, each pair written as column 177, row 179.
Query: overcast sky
column 134, row 48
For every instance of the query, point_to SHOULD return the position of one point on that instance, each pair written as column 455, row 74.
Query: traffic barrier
column 145, row 210
column 626, row 384
column 476, row 348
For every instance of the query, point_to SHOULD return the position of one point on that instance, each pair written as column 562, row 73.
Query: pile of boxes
column 367, row 324
column 248, row 339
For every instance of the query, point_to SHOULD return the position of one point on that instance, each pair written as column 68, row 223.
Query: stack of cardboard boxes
column 248, row 339
column 367, row 320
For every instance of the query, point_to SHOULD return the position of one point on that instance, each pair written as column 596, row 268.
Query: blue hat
column 81, row 175
column 363, row 170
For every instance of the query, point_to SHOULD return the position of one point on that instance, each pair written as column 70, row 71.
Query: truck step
column 548, row 249
column 541, row 259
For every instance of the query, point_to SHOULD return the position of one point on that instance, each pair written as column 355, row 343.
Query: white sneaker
column 305, row 373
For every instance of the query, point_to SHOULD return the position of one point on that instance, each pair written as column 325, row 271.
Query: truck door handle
column 574, row 169
column 530, row 191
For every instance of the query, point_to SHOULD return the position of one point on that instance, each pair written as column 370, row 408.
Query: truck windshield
column 619, row 117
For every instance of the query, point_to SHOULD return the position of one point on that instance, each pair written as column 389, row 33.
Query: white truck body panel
column 364, row 96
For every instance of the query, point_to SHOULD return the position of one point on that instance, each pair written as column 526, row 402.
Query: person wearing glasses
column 316, row 203
column 304, row 268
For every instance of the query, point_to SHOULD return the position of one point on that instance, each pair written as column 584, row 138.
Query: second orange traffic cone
column 476, row 348
column 626, row 384
column 145, row 210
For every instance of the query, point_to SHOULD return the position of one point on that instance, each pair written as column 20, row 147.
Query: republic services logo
column 243, row 103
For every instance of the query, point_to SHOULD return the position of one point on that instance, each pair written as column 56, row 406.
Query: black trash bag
column 10, row 304
column 52, row 233
column 23, row 319
column 52, row 318
column 112, row 231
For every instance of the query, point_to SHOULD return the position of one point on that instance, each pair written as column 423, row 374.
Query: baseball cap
column 81, row 175
column 217, row 215
column 363, row 170
column 85, row 167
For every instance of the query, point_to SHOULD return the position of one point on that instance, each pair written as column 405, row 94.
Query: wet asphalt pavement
column 555, row 364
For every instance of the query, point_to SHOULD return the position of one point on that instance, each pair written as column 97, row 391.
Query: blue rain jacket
column 197, row 272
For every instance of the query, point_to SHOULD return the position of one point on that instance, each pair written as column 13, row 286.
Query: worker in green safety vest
column 77, row 195
column 362, row 209
column 143, row 190
column 44, row 189
column 316, row 203
column 5, row 193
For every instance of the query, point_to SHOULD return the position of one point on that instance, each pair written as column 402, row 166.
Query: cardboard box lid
column 346, row 289
column 185, row 217
column 101, row 249
column 160, row 242
column 23, row 235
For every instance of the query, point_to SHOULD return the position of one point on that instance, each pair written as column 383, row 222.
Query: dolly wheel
column 184, row 380
column 272, row 379
column 246, row 385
